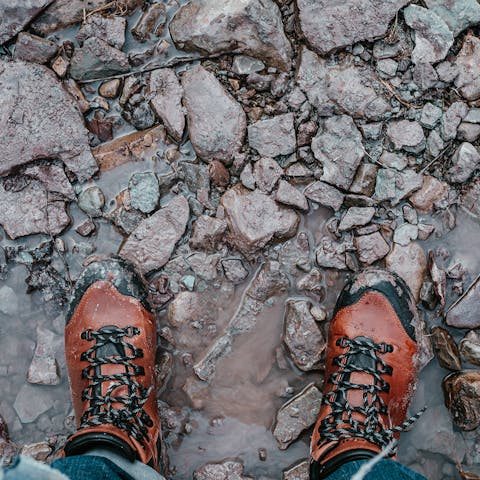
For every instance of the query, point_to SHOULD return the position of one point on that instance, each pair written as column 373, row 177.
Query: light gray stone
column 467, row 65
column 356, row 217
column 431, row 115
column 111, row 29
column 457, row 14
column 406, row 135
column 324, row 194
column 274, row 136
column 465, row 161
column 290, row 196
column 144, row 191
column 371, row 248
column 27, row 409
column 451, row 119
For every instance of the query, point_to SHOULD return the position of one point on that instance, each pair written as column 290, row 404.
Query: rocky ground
column 248, row 156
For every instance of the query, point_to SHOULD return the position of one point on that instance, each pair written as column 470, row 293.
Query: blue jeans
column 89, row 467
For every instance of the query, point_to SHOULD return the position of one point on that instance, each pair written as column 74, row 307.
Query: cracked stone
column 356, row 217
column 406, row 135
column 290, row 196
column 465, row 161
column 274, row 136
column 340, row 150
column 216, row 122
column 371, row 248
column 153, row 241
column 111, row 29
column 324, row 194
column 226, row 26
column 458, row 15
column 144, row 191
column 330, row 254
column 393, row 160
column 207, row 233
column 464, row 314
column 31, row 48
column 395, row 186
column 151, row 23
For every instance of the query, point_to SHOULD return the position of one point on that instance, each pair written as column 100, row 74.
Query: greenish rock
column 144, row 191
column 91, row 201
column 188, row 281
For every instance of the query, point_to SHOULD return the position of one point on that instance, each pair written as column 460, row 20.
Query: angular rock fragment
column 432, row 191
column 463, row 313
column 458, row 15
column 406, row 135
column 462, row 398
column 302, row 337
column 298, row 414
column 445, row 349
column 43, row 369
column 467, row 67
column 91, row 201
column 27, row 410
column 207, row 232
column 356, row 217
column 272, row 137
column 364, row 180
column 151, row 23
column 144, row 191
column 470, row 347
column 33, row 104
column 227, row 26
column 465, row 161
column 216, row 122
column 395, row 186
column 341, row 87
column 267, row 172
column 166, row 100
column 254, row 219
column 97, row 59
column 111, row 29
column 290, row 196
column 152, row 242
column 329, row 25
column 31, row 48
column 38, row 451
column 405, row 233
column 451, row 119
column 330, row 254
column 229, row 469
column 234, row 269
column 339, row 149
column 299, row 471
column 371, row 248
column 324, row 194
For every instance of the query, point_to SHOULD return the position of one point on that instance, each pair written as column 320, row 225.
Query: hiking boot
column 371, row 369
column 110, row 346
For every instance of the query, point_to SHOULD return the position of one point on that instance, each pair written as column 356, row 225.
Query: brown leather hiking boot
column 371, row 367
column 110, row 346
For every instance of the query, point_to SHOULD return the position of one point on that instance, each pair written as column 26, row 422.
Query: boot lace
column 130, row 415
column 340, row 424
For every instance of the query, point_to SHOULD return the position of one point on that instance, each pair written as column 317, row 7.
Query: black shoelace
column 110, row 347
column 362, row 355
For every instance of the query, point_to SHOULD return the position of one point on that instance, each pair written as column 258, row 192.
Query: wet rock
column 339, row 149
column 432, row 192
column 207, row 233
column 272, row 137
column 97, row 59
column 16, row 16
column 427, row 295
column 151, row 23
column 312, row 282
column 38, row 451
column 431, row 115
column 462, row 314
column 465, row 160
column 153, row 241
column 144, row 191
column 43, row 369
column 8, row 301
column 446, row 349
column 467, row 67
column 33, row 104
column 371, row 248
column 245, row 65
column 290, row 196
column 31, row 48
column 405, row 233
column 406, row 135
column 300, row 471
column 470, row 200
column 302, row 337
column 330, row 254
column 86, row 228
column 364, row 180
column 27, row 410
column 234, row 269
column 356, row 217
column 254, row 219
column 325, row 194
column 228, row 469
column 395, row 186
column 410, row 263
column 470, row 347
column 25, row 209
column 216, row 122
column 328, row 25
column 267, row 172
column 110, row 88
column 341, row 87
column 433, row 37
column 252, row 28
column 166, row 100
column 91, row 201
column 462, row 398
column 451, row 119
column 110, row 29
column 298, row 414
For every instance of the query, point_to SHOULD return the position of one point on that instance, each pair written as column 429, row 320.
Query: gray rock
column 405, row 233
column 144, row 191
column 470, row 200
column 435, row 144
column 410, row 263
column 406, row 135
column 445, row 349
column 234, row 270
column 97, row 59
column 153, row 241
column 91, row 201
column 371, row 248
column 330, row 254
column 224, row 470
column 465, row 161
column 290, row 196
column 300, row 471
column 431, row 115
column 298, row 414
column 463, row 314
column 247, row 178
column 274, row 136
column 341, row 87
column 31, row 48
column 245, row 65
column 207, row 232
column 365, row 179
column 33, row 104
column 267, row 172
column 356, row 217
column 166, row 100
column 38, row 451
column 216, row 122
column 458, row 14
column 393, row 160
column 16, row 16
column 451, row 119
column 111, row 29
column 151, row 23
column 473, row 116
column 253, row 28
column 254, row 219
column 470, row 347
column 302, row 337
column 468, row 132
column 395, row 186
column 27, row 410
column 8, row 301
column 324, row 194
column 329, row 25
column 43, row 369
column 433, row 37
column 467, row 65
column 387, row 67
column 339, row 149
